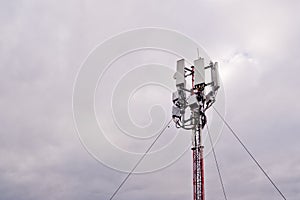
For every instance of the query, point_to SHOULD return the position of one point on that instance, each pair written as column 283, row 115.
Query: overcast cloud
column 43, row 43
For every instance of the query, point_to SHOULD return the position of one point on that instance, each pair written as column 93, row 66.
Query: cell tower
column 195, row 100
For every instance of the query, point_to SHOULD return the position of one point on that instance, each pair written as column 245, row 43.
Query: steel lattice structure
column 198, row 102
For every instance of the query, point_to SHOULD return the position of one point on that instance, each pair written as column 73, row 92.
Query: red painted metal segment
column 202, row 172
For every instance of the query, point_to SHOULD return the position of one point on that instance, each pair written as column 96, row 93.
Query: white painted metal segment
column 179, row 76
column 199, row 73
column 215, row 76
column 193, row 102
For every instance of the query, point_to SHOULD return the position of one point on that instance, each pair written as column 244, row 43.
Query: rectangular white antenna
column 215, row 76
column 199, row 73
column 179, row 76
column 193, row 102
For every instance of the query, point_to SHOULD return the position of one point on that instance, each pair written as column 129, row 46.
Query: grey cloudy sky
column 43, row 43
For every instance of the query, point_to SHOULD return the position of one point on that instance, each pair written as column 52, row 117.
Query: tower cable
column 139, row 161
column 246, row 149
column 217, row 164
